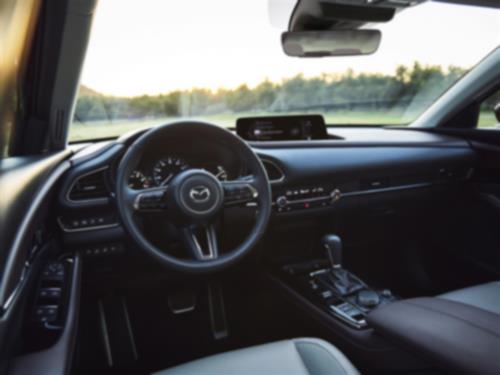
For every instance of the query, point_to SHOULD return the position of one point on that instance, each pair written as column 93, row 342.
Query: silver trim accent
column 389, row 189
column 212, row 252
column 319, row 272
column 215, row 290
column 85, row 229
column 73, row 183
column 129, row 329
column 359, row 324
column 184, row 310
column 275, row 181
column 105, row 334
column 306, row 200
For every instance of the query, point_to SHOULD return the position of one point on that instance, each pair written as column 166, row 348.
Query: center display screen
column 282, row 128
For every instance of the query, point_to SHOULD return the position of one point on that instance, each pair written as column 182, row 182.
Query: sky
column 157, row 46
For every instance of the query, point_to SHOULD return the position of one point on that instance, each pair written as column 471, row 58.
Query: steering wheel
column 194, row 198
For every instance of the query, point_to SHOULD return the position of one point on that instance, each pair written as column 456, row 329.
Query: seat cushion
column 484, row 296
column 303, row 356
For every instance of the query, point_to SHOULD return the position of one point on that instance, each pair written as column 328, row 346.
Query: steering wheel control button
column 151, row 200
column 239, row 193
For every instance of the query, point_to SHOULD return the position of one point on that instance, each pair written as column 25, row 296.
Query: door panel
column 27, row 185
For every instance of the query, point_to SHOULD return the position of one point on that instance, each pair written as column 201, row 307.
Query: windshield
column 220, row 60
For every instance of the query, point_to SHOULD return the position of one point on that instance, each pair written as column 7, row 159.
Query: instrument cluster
column 160, row 171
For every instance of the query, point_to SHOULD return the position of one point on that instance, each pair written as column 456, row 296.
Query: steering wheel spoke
column 201, row 241
column 147, row 200
column 239, row 191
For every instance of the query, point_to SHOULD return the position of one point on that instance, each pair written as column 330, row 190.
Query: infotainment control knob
column 281, row 201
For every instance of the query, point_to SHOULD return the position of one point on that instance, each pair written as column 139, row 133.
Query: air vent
column 274, row 173
column 88, row 187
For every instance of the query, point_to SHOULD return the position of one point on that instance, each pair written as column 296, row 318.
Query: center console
column 334, row 289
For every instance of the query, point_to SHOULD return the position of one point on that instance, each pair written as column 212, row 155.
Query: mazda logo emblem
column 199, row 194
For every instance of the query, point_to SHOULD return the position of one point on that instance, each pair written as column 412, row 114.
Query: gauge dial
column 165, row 169
column 138, row 180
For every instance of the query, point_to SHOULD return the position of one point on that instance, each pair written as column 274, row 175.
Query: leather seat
column 303, row 356
column 483, row 296
column 457, row 331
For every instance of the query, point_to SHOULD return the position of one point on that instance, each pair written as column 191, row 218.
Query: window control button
column 54, row 271
column 54, row 293
column 46, row 313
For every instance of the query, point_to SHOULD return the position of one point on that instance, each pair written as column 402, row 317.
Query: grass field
column 104, row 129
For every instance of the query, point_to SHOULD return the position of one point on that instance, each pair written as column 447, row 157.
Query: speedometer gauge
column 165, row 169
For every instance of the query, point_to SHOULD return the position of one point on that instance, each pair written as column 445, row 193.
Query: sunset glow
column 157, row 46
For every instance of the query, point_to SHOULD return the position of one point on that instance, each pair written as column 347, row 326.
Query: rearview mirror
column 330, row 43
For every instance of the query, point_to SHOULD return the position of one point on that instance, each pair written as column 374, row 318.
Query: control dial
column 335, row 195
column 281, row 201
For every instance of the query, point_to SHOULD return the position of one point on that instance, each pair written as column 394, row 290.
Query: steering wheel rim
column 127, row 198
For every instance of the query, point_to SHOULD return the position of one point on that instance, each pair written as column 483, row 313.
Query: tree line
column 328, row 92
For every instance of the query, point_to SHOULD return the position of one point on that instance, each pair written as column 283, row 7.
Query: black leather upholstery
column 455, row 336
column 304, row 356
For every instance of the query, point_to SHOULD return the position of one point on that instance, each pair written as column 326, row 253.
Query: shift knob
column 333, row 247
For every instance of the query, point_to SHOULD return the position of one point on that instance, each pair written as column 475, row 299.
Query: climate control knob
column 335, row 195
column 281, row 201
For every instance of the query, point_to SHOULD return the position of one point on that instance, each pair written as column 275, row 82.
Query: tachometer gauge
column 138, row 180
column 165, row 169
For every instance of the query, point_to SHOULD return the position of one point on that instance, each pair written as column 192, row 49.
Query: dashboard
column 350, row 170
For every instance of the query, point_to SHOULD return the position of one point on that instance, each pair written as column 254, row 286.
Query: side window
column 489, row 115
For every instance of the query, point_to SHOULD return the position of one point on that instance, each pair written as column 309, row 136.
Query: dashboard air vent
column 273, row 171
column 88, row 187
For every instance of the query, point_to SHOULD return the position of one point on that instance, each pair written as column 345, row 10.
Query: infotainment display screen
column 282, row 128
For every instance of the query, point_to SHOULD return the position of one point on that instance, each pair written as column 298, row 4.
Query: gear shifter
column 333, row 247
column 341, row 280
